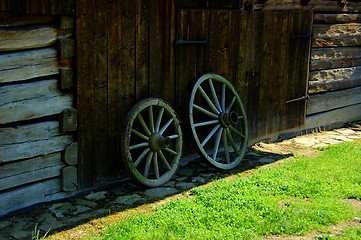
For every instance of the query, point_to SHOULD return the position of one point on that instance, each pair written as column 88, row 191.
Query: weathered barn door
column 264, row 54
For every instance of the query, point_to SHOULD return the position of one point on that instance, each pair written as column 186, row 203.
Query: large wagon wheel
column 218, row 121
column 152, row 142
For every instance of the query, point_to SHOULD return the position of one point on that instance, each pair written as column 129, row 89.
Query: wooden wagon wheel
column 152, row 142
column 218, row 121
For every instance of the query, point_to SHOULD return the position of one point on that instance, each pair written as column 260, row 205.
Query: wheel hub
column 157, row 142
column 228, row 118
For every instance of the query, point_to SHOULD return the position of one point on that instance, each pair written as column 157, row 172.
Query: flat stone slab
column 186, row 185
column 129, row 199
column 160, row 192
column 96, row 196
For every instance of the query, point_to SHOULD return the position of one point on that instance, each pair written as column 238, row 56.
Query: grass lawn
column 291, row 198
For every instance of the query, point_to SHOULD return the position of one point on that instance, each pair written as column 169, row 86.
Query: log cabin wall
column 335, row 69
column 38, row 149
column 335, row 65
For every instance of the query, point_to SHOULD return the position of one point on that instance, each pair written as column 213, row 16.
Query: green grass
column 292, row 198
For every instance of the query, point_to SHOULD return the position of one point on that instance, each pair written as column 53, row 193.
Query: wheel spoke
column 170, row 151
column 225, row 146
column 206, row 123
column 161, row 131
column 173, row 136
column 223, row 97
column 146, row 144
column 141, row 157
column 214, row 95
column 141, row 135
column 229, row 135
column 159, row 119
column 211, row 105
column 231, row 104
column 217, row 143
column 151, row 118
column 236, row 131
column 161, row 155
column 214, row 130
column 205, row 111
column 155, row 165
column 147, row 164
column 144, row 125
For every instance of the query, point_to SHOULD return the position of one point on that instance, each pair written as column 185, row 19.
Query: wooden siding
column 335, row 69
column 126, row 52
column 34, row 108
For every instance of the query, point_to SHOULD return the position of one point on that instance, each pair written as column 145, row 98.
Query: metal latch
column 181, row 42
column 299, row 99
column 303, row 35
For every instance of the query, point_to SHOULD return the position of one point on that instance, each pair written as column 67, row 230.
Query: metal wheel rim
column 152, row 142
column 214, row 112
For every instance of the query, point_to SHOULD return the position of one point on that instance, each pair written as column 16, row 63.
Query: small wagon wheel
column 218, row 121
column 152, row 142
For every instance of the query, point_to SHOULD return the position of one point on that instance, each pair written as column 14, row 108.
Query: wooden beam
column 340, row 57
column 70, row 154
column 338, row 74
column 25, row 38
column 323, row 86
column 32, row 100
column 336, row 18
column 66, row 48
column 336, row 35
column 346, row 114
column 67, row 80
column 331, row 100
column 21, row 197
column 30, row 177
column 69, row 120
column 69, row 179
column 16, row 151
column 28, row 64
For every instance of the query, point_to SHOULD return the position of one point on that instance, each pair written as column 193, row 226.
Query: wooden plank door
column 264, row 54
column 284, row 60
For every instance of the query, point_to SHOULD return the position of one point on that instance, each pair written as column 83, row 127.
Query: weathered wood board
column 29, row 177
column 336, row 18
column 24, row 65
column 346, row 114
column 27, row 37
column 31, row 140
column 26, row 101
column 329, row 58
column 331, row 100
column 336, row 35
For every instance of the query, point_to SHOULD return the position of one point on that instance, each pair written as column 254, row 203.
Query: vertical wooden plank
column 84, row 50
column 100, row 91
column 249, row 67
column 161, row 77
column 142, row 50
column 121, row 75
column 299, row 69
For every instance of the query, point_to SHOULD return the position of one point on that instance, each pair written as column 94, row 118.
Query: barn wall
column 335, row 70
column 37, row 142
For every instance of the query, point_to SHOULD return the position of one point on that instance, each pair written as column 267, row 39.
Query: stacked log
column 37, row 115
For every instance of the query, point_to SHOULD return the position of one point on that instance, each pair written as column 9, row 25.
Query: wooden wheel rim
column 158, row 153
column 226, row 121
